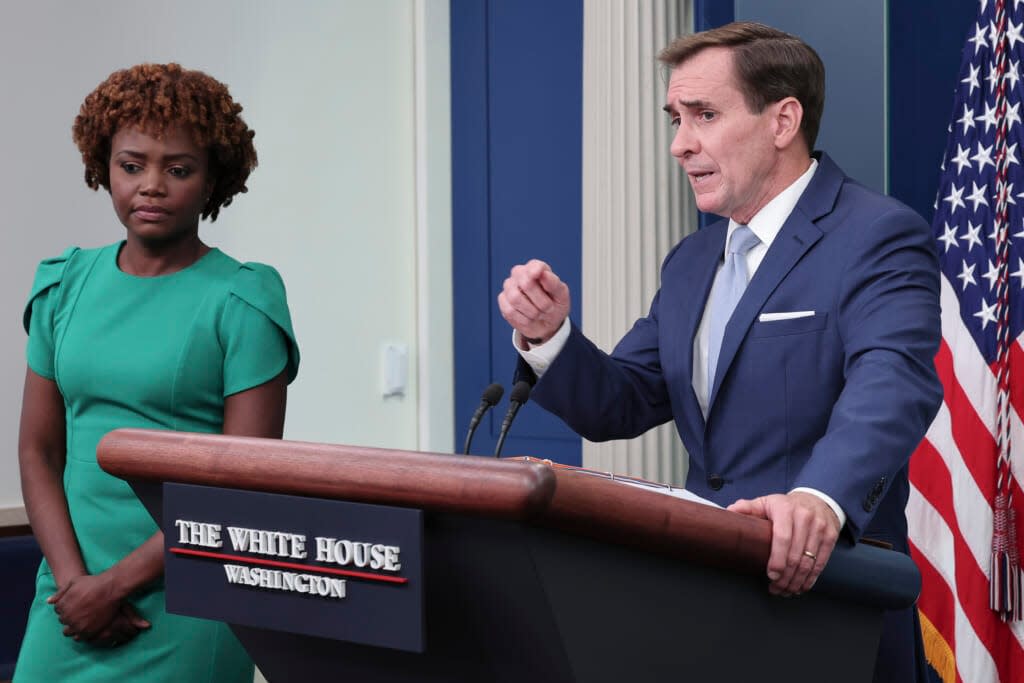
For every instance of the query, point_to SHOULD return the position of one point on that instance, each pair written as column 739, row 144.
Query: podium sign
column 347, row 571
column 515, row 570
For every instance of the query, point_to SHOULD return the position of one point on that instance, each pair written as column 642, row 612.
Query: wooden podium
column 536, row 573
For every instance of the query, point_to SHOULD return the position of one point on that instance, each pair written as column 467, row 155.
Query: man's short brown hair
column 770, row 65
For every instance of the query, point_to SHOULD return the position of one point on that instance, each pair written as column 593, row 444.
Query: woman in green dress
column 159, row 331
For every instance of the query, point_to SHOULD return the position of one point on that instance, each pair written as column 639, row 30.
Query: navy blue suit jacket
column 836, row 401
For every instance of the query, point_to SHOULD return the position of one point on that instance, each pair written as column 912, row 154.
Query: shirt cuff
column 540, row 356
column 831, row 503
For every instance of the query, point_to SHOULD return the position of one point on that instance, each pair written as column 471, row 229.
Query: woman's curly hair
column 156, row 97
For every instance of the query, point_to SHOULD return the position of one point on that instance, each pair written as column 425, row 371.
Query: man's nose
column 684, row 142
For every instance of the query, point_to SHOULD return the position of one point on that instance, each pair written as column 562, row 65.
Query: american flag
column 966, row 508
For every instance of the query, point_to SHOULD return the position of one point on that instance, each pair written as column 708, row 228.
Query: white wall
column 349, row 101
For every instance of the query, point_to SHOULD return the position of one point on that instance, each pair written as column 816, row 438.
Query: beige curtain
column 636, row 203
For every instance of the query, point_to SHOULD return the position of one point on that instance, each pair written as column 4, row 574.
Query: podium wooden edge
column 361, row 474
column 532, row 492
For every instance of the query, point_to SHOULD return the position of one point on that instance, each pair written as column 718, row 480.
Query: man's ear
column 787, row 115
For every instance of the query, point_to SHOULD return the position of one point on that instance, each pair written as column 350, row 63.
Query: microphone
column 489, row 399
column 520, row 395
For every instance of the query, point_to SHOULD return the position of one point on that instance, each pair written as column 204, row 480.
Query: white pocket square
column 787, row 315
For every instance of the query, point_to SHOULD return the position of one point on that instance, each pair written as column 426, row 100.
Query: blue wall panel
column 517, row 75
column 925, row 46
column 850, row 38
column 711, row 13
column 470, row 208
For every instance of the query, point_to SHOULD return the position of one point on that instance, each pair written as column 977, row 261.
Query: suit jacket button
column 716, row 482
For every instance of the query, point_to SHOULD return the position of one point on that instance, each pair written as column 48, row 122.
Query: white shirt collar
column 767, row 222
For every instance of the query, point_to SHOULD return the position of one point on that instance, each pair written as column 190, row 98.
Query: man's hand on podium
column 804, row 532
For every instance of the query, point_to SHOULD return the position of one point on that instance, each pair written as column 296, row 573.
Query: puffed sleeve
column 256, row 330
column 38, row 315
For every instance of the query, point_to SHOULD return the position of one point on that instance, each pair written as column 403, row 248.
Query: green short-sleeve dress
column 152, row 352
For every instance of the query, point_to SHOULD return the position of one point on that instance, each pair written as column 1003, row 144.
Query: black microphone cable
column 519, row 396
column 492, row 394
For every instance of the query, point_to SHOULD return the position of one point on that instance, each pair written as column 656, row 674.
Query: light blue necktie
column 730, row 282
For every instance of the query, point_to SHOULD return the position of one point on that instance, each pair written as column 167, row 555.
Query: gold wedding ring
column 811, row 555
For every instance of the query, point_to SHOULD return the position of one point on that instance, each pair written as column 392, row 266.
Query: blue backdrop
column 517, row 94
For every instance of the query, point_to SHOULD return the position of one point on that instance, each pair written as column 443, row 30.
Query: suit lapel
column 697, row 283
column 798, row 234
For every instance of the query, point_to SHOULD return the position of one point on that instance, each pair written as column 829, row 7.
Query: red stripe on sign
column 290, row 565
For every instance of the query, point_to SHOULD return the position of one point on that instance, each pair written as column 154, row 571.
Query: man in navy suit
column 792, row 344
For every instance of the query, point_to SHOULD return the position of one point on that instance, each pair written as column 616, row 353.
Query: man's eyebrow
column 696, row 104
column 687, row 104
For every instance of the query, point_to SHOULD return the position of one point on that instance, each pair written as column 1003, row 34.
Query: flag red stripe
column 973, row 440
column 937, row 602
column 1017, row 377
column 971, row 583
column 937, row 486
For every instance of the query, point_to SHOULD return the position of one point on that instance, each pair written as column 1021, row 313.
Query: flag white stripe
column 973, row 514
column 974, row 662
column 935, row 541
column 969, row 366
column 1017, row 435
